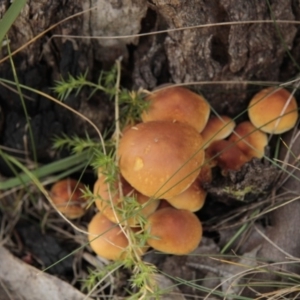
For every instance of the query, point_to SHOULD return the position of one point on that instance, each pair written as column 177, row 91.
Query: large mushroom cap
column 177, row 104
column 174, row 231
column 273, row 110
column 160, row 159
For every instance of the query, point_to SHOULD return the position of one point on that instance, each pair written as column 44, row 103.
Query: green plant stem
column 24, row 107
column 10, row 16
column 74, row 162
column 238, row 233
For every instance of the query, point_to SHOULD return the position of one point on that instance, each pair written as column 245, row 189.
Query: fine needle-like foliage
column 9, row 17
column 130, row 103
column 128, row 106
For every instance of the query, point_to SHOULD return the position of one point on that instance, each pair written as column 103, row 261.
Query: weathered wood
column 19, row 280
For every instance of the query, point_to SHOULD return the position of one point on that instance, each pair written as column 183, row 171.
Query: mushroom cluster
column 159, row 158
column 270, row 111
column 169, row 157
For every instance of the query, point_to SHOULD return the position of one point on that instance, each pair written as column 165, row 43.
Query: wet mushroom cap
column 205, row 175
column 226, row 155
column 160, row 159
column 191, row 199
column 271, row 111
column 174, row 231
column 109, row 201
column 250, row 140
column 103, row 191
column 177, row 104
column 67, row 196
column 106, row 238
column 163, row 204
column 217, row 128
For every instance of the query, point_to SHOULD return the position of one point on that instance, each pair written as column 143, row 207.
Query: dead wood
column 19, row 280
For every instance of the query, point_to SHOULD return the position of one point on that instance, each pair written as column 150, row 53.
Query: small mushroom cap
column 102, row 191
column 174, row 231
column 163, row 204
column 177, row 104
column 191, row 199
column 217, row 128
column 160, row 159
column 205, row 175
column 227, row 155
column 67, row 196
column 111, row 206
column 250, row 140
column 270, row 111
column 106, row 238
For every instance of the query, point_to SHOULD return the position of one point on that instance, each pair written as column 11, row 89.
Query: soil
column 230, row 53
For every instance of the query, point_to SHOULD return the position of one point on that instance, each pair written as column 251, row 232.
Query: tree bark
column 241, row 52
column 251, row 51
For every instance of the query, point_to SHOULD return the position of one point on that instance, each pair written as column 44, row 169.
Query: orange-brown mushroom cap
column 205, row 175
column 174, row 231
column 273, row 110
column 250, row 140
column 191, row 199
column 106, row 238
column 110, row 201
column 67, row 196
column 227, row 155
column 160, row 159
column 177, row 104
column 217, row 128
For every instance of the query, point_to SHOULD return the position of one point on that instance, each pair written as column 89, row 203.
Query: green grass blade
column 10, row 16
column 71, row 163
column 31, row 137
